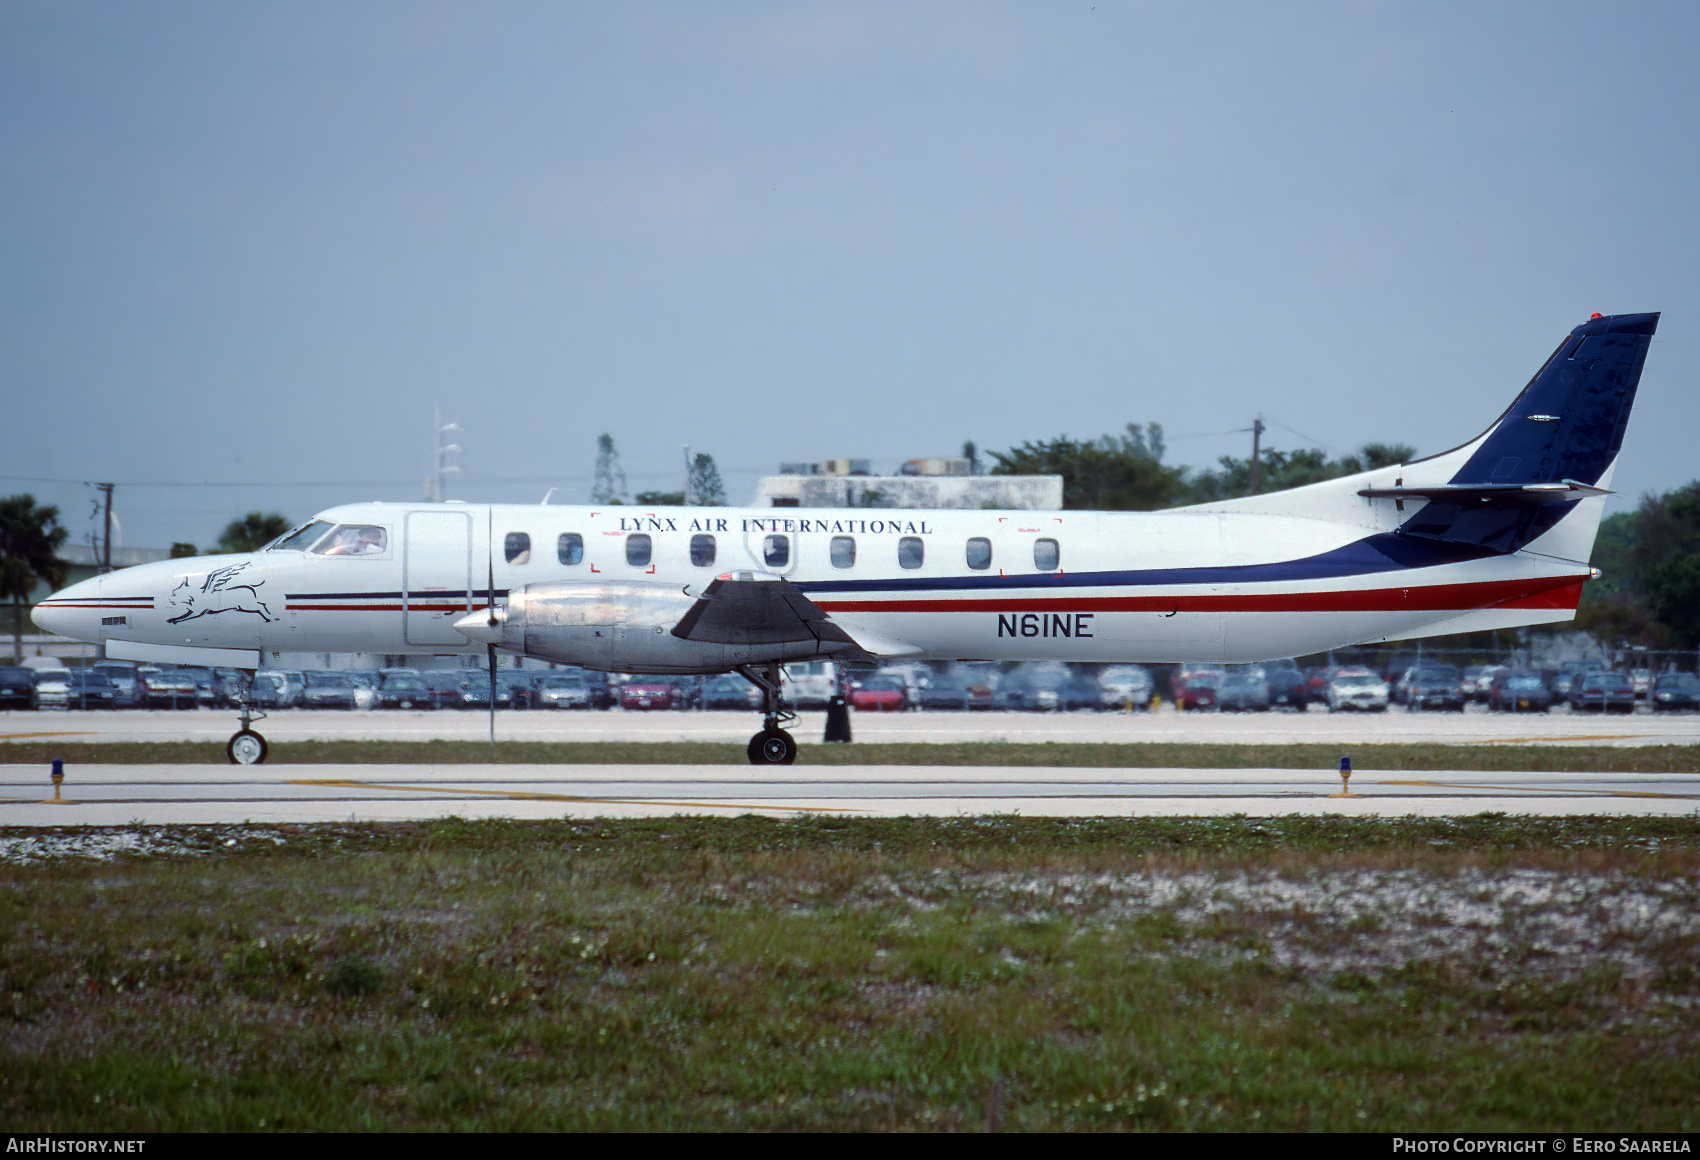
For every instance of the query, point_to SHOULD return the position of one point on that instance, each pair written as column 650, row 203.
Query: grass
column 1139, row 755
column 1488, row 973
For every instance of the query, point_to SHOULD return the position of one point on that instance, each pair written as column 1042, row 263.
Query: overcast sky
column 256, row 244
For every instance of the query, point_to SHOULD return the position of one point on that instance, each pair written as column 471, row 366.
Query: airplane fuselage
column 1194, row 584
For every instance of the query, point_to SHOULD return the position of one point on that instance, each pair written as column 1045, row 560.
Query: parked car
column 328, row 690
column 946, row 692
column 1432, row 687
column 401, row 689
column 53, row 688
column 1357, row 688
column 1518, row 691
column 126, row 684
column 521, row 685
column 444, row 685
column 730, row 693
column 654, row 692
column 366, row 683
column 1567, row 674
column 203, row 678
column 89, row 690
column 17, row 689
column 1478, row 679
column 1192, row 669
column 1198, row 690
column 1674, row 692
column 168, row 689
column 1602, row 692
column 1317, row 681
column 809, row 684
column 1243, row 690
column 1125, row 686
column 276, row 689
column 1286, row 686
column 880, row 694
column 472, row 691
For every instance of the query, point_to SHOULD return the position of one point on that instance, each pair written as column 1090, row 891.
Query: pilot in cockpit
column 354, row 540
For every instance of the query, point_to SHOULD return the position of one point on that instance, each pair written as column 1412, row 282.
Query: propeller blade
column 490, row 603
column 492, row 650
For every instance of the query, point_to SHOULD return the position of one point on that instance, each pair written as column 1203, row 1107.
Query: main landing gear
column 772, row 746
column 246, row 747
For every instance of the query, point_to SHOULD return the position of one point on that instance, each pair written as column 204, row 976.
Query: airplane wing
column 751, row 608
column 756, row 608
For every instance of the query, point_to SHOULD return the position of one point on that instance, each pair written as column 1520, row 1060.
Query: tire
column 772, row 747
column 246, row 748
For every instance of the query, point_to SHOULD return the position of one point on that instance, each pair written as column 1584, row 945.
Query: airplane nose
column 478, row 625
column 73, row 612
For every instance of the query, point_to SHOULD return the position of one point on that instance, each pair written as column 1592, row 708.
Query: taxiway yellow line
column 520, row 795
column 71, row 733
column 1546, row 789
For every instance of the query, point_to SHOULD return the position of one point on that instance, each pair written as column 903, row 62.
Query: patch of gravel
column 1538, row 923
column 105, row 845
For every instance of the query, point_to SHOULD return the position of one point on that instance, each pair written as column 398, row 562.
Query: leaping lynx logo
column 217, row 594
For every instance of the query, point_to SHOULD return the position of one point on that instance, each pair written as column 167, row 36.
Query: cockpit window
column 354, row 540
column 301, row 538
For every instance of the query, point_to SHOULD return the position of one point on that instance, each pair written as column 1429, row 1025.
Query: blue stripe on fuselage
column 1386, row 552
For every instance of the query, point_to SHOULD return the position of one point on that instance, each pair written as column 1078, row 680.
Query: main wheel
column 772, row 747
column 246, row 748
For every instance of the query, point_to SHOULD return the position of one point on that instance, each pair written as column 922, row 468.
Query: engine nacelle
column 626, row 627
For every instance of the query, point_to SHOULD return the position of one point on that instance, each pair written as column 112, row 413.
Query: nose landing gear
column 772, row 746
column 246, row 747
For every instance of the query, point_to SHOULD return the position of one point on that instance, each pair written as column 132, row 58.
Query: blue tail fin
column 1556, row 441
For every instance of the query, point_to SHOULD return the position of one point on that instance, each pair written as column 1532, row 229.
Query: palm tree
column 30, row 538
column 252, row 532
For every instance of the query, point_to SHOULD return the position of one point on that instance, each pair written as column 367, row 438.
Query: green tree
column 182, row 551
column 252, row 532
column 1648, row 592
column 706, row 488
column 659, row 498
column 608, row 486
column 1123, row 472
column 1281, row 470
column 30, row 539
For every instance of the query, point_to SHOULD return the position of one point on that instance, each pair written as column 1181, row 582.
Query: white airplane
column 1493, row 534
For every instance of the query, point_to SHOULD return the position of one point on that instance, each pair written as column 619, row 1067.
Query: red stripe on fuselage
column 1547, row 592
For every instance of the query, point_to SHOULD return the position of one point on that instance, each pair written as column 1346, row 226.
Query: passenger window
column 1047, row 557
column 638, row 549
column 569, row 548
column 353, row 540
column 776, row 551
column 843, row 551
column 910, row 552
column 516, row 549
column 979, row 553
column 702, row 550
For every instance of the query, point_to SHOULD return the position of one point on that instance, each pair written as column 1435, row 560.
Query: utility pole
column 434, row 491
column 106, row 536
column 1256, row 438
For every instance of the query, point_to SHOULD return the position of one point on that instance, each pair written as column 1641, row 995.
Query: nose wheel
column 772, row 746
column 246, row 747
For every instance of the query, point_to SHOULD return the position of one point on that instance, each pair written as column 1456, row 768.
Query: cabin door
column 436, row 582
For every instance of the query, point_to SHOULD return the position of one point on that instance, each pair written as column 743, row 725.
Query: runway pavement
column 1274, row 728
column 106, row 795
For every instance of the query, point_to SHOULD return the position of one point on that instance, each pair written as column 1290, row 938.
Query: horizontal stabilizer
column 1519, row 494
